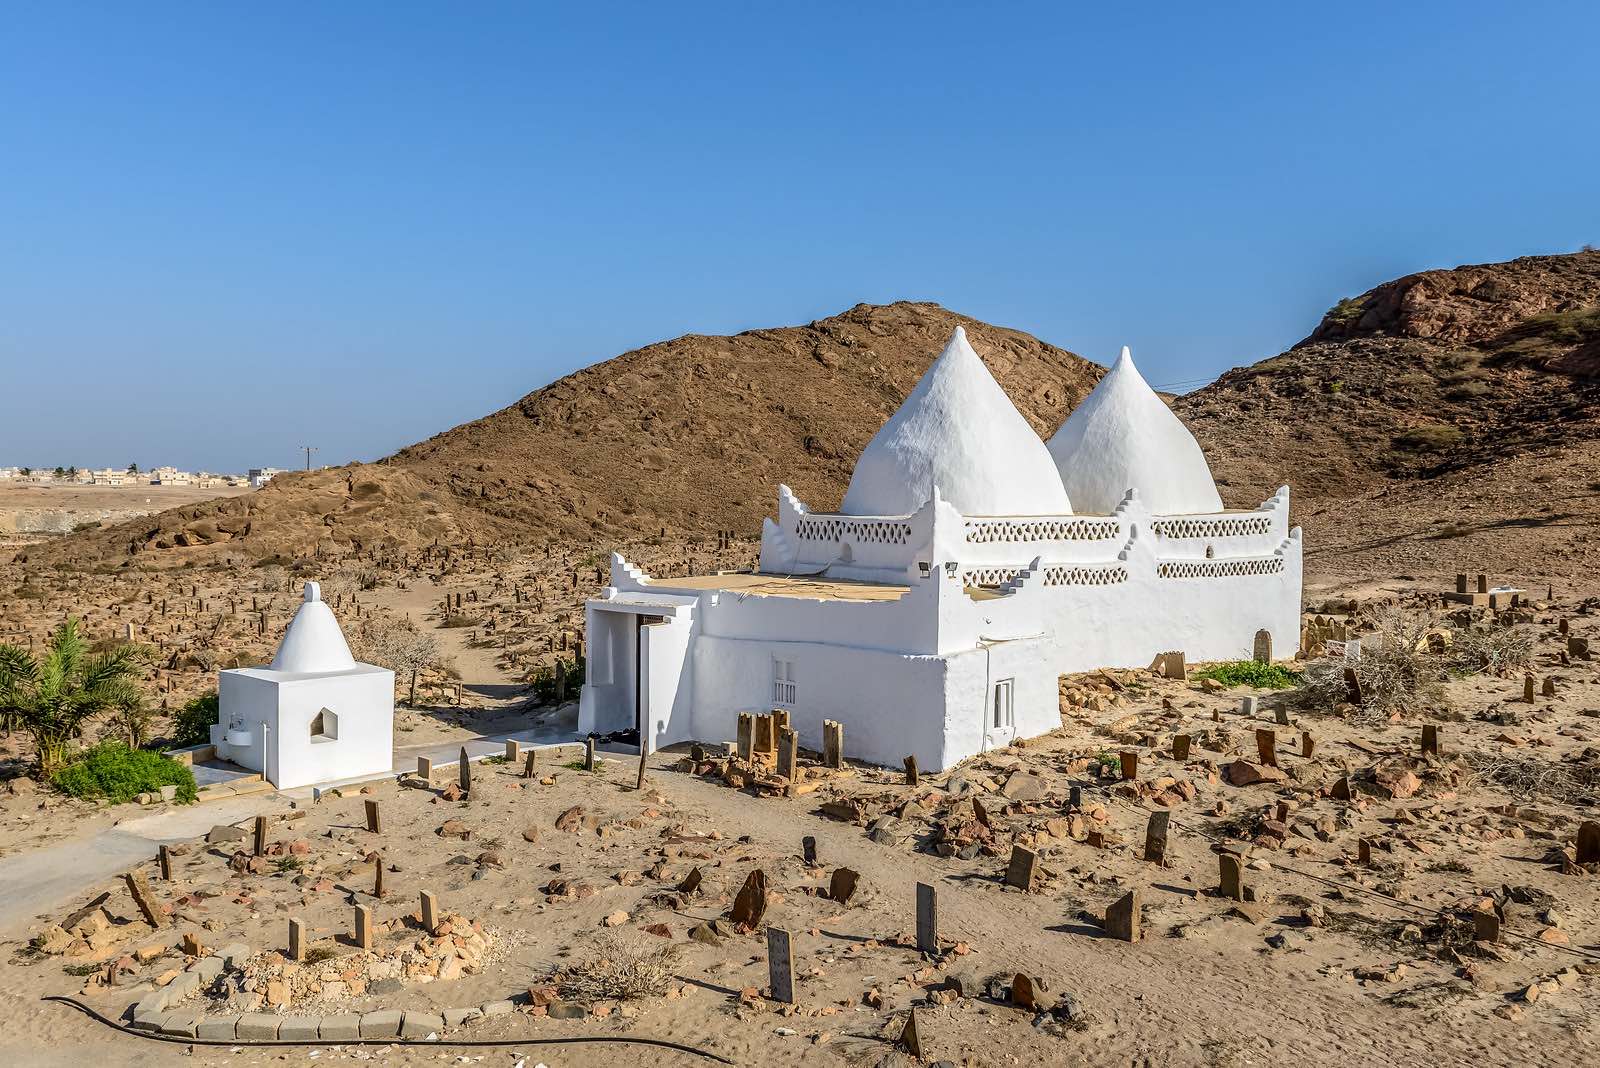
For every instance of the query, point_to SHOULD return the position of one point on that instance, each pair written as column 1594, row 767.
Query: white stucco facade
column 941, row 633
column 315, row 715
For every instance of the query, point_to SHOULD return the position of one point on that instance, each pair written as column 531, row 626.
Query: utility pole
column 309, row 450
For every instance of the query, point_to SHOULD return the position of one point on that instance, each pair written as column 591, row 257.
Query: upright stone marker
column 1155, row 836
column 464, row 772
column 1022, row 868
column 297, row 940
column 1247, row 706
column 1486, row 926
column 528, row 763
column 1180, row 747
column 927, row 919
column 363, row 937
column 164, row 861
column 1262, row 654
column 1267, row 746
column 1122, row 918
column 745, row 745
column 1430, row 739
column 910, row 1040
column 832, row 744
column 1308, row 744
column 513, row 750
column 258, row 843
column 1232, row 878
column 808, row 850
column 780, row 965
column 430, row 911
column 424, row 769
column 1588, row 845
column 374, row 817
column 764, row 741
column 912, row 777
column 588, row 753
column 1364, row 852
column 788, row 749
column 1130, row 764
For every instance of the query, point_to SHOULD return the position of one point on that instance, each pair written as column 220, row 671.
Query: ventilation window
column 325, row 726
column 783, row 685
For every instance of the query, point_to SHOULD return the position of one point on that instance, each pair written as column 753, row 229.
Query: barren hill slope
column 692, row 435
column 1445, row 419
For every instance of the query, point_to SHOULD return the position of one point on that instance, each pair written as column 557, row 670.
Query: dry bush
column 1498, row 651
column 1396, row 671
column 620, row 968
column 1530, row 778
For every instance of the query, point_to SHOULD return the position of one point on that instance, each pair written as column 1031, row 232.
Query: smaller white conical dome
column 313, row 642
column 1124, row 437
column 957, row 430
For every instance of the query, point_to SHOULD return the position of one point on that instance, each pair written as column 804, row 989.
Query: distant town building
column 106, row 476
column 260, row 476
column 170, row 476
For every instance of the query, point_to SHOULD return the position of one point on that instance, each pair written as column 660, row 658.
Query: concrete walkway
column 55, row 876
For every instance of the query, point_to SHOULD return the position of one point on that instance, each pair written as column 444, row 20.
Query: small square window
column 325, row 726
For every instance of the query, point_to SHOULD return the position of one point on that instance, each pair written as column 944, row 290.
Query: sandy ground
column 1206, row 985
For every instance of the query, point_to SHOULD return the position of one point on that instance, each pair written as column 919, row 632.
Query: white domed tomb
column 960, row 432
column 315, row 714
column 1125, row 437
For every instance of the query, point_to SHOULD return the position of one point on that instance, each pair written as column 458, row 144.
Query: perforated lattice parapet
column 1179, row 569
column 1224, row 527
column 862, row 531
column 979, row 531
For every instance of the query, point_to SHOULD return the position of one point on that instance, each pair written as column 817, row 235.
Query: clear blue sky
column 229, row 229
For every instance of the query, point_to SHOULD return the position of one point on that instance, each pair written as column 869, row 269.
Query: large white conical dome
column 960, row 432
column 1124, row 437
column 313, row 641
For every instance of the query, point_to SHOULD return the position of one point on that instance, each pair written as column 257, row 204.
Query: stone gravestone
column 374, row 817
column 1155, row 836
column 808, row 850
column 1262, row 653
column 1180, row 747
column 927, row 919
column 842, row 886
column 780, row 965
column 1267, row 746
column 832, row 744
column 297, row 940
column 750, row 905
column 788, row 747
column 1588, row 845
column 1022, row 868
column 1430, row 739
column 1122, row 918
column 1232, row 877
column 1130, row 764
column 745, row 745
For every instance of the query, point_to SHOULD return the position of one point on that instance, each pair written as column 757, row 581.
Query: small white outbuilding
column 315, row 714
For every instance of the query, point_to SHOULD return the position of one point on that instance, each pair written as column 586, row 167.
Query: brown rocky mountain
column 1446, row 419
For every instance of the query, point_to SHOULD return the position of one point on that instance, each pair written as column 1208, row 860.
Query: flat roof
column 800, row 586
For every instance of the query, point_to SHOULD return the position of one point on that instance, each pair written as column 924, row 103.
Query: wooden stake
column 527, row 764
column 259, row 842
column 164, row 859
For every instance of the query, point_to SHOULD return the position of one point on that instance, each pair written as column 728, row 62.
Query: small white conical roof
column 960, row 432
column 1124, row 437
column 313, row 642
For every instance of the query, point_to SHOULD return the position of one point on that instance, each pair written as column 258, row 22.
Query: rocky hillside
column 1446, row 419
column 691, row 435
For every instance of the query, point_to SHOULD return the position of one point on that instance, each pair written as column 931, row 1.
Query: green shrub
column 1435, row 437
column 191, row 724
column 119, row 774
column 1347, row 312
column 1251, row 673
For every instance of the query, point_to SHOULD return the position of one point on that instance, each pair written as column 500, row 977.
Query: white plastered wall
column 285, row 703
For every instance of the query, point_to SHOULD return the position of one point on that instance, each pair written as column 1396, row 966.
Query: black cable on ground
column 660, row 1043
